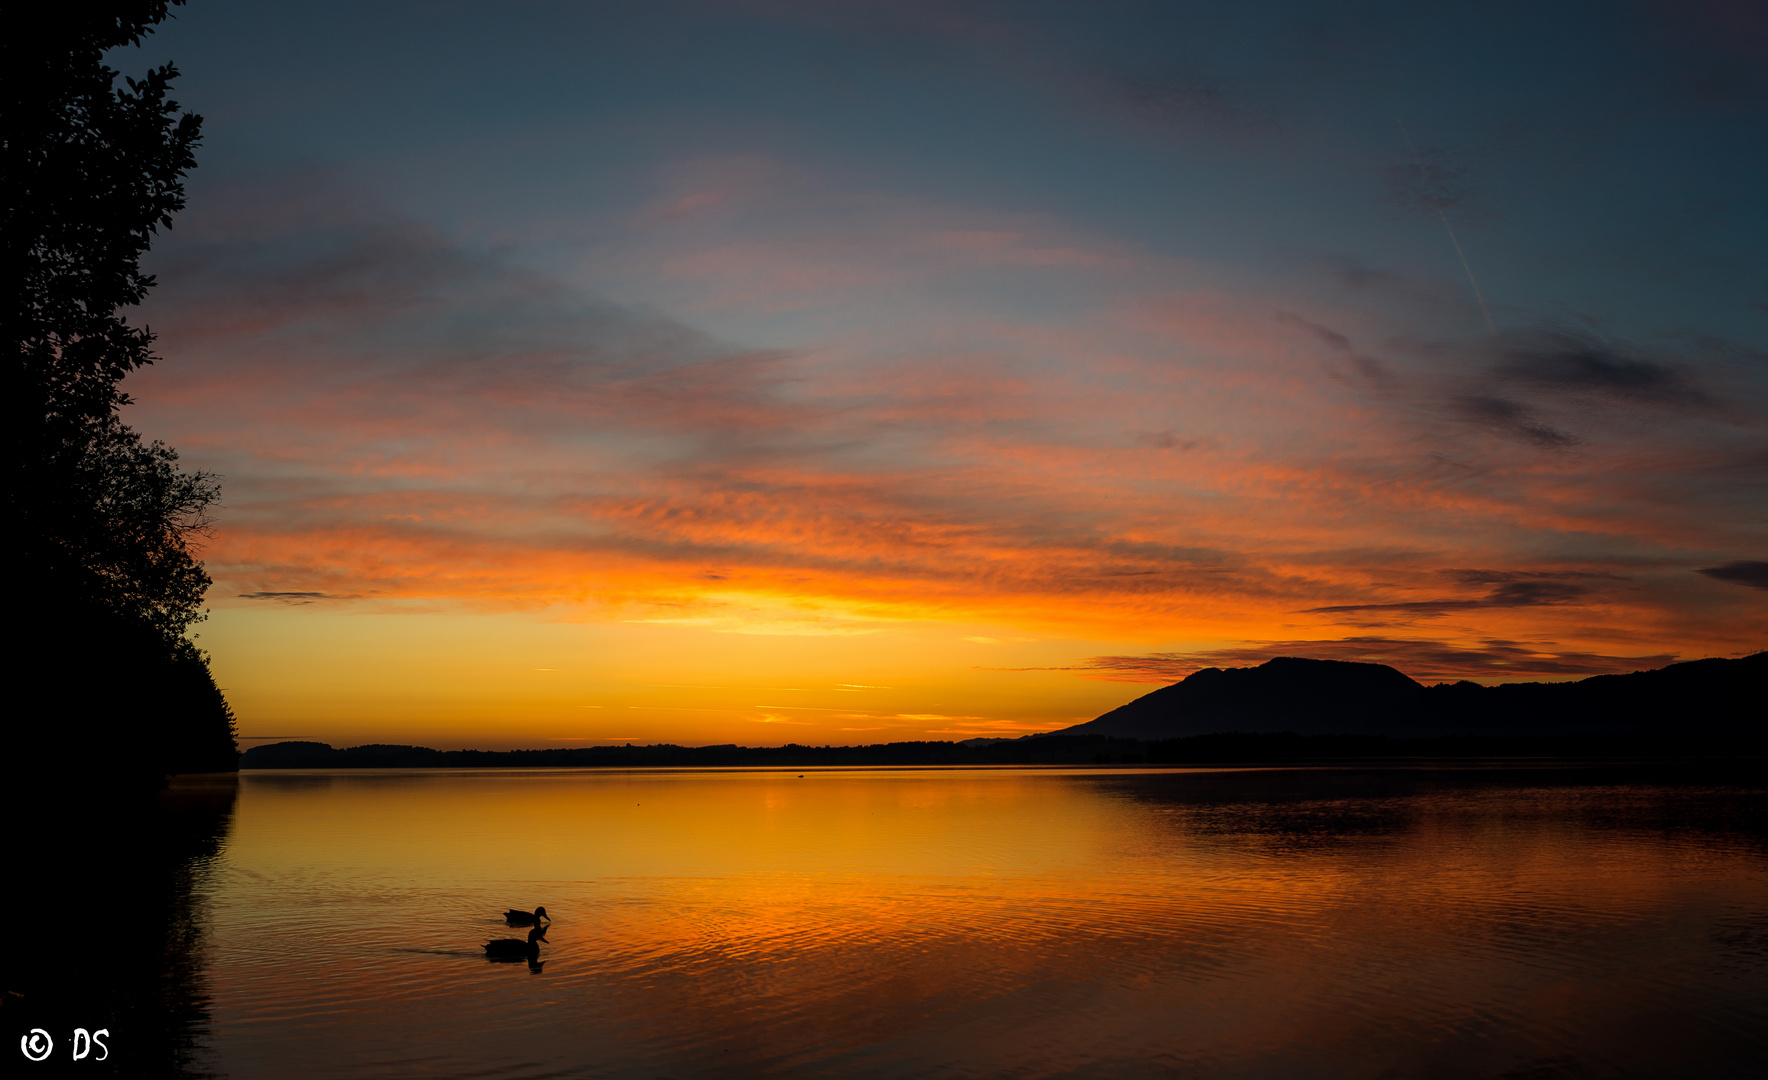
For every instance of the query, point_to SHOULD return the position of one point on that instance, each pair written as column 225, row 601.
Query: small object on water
column 526, row 918
column 515, row 949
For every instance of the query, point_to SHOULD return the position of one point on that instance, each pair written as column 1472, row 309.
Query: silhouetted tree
column 105, row 580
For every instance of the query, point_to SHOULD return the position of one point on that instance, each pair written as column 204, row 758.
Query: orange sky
column 973, row 395
column 1008, row 527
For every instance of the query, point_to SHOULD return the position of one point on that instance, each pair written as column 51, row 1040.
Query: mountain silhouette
column 1338, row 697
column 1285, row 709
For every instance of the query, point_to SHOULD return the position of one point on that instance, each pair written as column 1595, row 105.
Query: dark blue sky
column 1599, row 158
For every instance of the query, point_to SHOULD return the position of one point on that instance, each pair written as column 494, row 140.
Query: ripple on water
column 1013, row 925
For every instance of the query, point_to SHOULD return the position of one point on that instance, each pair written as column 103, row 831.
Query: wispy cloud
column 1750, row 572
column 402, row 416
column 1421, row 659
column 1508, row 589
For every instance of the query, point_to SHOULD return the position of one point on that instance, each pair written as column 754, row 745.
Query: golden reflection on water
column 990, row 923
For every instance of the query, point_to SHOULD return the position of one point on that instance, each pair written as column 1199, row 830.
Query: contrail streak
column 1444, row 218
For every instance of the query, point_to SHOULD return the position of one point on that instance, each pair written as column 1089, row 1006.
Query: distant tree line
column 105, row 524
column 1228, row 748
column 1053, row 751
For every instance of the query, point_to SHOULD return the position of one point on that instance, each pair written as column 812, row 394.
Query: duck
column 510, row 948
column 526, row 918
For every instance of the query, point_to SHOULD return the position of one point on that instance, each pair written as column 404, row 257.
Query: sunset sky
column 770, row 371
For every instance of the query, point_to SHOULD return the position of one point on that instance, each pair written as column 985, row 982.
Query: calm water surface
column 909, row 922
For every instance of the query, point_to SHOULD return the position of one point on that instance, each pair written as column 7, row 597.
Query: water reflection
column 995, row 923
column 107, row 917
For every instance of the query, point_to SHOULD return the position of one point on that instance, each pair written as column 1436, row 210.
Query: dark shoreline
column 1220, row 749
column 123, row 865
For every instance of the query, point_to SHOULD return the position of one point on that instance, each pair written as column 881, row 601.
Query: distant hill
column 1288, row 709
column 1336, row 697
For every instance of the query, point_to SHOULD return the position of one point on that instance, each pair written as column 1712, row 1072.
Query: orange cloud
column 401, row 420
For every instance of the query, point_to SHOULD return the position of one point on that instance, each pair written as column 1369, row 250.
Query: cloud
column 1428, row 182
column 1751, row 573
column 403, row 416
column 1510, row 590
column 1512, row 418
column 1336, row 343
column 1187, row 98
column 1563, row 362
column 1558, row 388
column 1710, row 53
column 1421, row 659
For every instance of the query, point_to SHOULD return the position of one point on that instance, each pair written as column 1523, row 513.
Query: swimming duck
column 526, row 918
column 510, row 948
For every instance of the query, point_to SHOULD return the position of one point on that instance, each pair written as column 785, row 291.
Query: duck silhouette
column 510, row 948
column 526, row 918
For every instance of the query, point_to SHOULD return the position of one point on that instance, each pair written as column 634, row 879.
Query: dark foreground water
column 1552, row 922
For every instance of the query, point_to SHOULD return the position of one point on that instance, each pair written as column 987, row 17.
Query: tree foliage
column 105, row 524
column 91, row 171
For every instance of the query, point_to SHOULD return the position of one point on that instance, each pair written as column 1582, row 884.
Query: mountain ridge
column 1342, row 697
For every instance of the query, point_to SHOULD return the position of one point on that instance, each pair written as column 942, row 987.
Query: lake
column 1404, row 922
